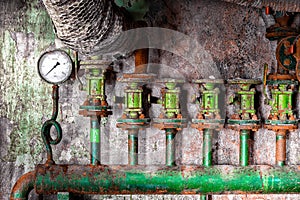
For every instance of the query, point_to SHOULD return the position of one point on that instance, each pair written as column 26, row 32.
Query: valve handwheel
column 297, row 57
column 284, row 56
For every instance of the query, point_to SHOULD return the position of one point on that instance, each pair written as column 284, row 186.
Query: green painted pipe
column 90, row 179
column 170, row 147
column 207, row 147
column 46, row 128
column 244, row 147
column 133, row 146
column 150, row 179
column 95, row 140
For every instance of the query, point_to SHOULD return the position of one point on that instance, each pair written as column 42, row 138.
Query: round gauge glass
column 55, row 66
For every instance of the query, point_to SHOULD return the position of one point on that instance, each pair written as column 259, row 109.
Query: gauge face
column 55, row 66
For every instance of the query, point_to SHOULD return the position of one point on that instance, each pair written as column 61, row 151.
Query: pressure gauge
column 55, row 66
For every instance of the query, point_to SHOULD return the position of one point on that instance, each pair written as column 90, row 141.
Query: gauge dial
column 55, row 66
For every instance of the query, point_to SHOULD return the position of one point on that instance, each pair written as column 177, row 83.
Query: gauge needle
column 53, row 68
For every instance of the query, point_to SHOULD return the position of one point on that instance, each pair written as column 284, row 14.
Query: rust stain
column 188, row 192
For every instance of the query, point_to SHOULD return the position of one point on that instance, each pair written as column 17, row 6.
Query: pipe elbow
column 23, row 186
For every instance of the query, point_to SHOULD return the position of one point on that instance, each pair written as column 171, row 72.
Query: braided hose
column 84, row 24
column 277, row 5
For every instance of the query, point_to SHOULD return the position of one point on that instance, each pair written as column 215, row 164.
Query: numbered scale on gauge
column 55, row 66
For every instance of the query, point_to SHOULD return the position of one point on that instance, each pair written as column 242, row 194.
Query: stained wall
column 231, row 36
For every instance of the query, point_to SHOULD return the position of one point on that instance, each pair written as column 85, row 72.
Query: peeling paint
column 24, row 98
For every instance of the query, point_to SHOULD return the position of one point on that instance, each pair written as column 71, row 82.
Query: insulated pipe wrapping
column 84, row 25
column 88, row 179
column 277, row 5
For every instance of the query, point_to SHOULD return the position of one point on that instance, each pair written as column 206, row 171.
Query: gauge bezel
column 70, row 67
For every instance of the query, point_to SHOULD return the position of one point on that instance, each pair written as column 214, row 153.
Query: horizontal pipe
column 23, row 186
column 88, row 179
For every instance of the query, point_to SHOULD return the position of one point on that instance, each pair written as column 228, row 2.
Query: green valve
column 96, row 87
column 171, row 100
column 209, row 100
column 281, row 102
column 246, row 103
column 133, row 100
column 133, row 117
column 95, row 83
column 95, row 105
column 243, row 98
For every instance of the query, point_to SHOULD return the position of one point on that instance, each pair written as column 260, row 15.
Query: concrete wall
column 232, row 35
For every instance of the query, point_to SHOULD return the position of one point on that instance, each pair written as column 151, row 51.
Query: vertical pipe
column 244, row 147
column 95, row 140
column 133, row 146
column 207, row 146
column 170, row 147
column 141, row 60
column 280, row 148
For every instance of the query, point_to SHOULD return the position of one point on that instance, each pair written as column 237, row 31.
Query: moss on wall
column 25, row 100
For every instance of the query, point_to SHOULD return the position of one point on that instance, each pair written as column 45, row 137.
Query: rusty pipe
column 23, row 186
column 278, row 5
column 141, row 61
column 280, row 147
column 89, row 179
column 99, row 179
